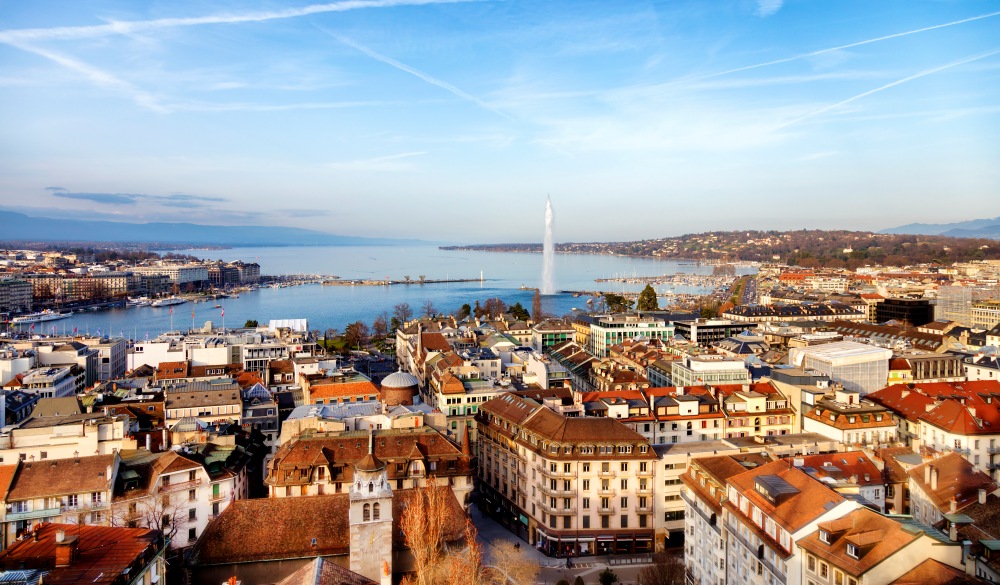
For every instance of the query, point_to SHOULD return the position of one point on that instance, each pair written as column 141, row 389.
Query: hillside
column 20, row 227
column 834, row 249
column 974, row 228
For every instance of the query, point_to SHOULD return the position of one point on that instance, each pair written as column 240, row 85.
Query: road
column 552, row 569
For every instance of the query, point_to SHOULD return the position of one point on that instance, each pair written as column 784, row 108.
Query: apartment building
column 209, row 401
column 65, row 437
column 76, row 491
column 849, row 419
column 610, row 330
column 697, row 370
column 765, row 511
column 569, row 485
column 318, row 463
column 866, row 548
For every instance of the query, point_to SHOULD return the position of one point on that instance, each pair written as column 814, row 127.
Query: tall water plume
column 548, row 253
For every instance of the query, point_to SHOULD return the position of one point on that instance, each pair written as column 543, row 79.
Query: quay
column 390, row 282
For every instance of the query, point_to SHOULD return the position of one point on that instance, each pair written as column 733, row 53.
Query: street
column 553, row 569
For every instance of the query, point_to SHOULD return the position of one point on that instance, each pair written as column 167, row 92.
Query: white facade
column 699, row 370
column 857, row 366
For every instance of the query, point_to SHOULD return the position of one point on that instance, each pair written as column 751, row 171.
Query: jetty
column 393, row 282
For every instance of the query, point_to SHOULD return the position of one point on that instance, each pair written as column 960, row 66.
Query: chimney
column 927, row 473
column 934, row 479
column 954, row 506
column 166, row 440
column 65, row 549
column 149, row 442
column 982, row 496
column 953, row 531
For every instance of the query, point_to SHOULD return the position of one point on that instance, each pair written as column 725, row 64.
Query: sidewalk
column 489, row 531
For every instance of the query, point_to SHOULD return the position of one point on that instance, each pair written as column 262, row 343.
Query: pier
column 391, row 282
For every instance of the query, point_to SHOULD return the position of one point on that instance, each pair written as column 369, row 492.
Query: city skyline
column 322, row 116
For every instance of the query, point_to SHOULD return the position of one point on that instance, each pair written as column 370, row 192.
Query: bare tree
column 495, row 307
column 422, row 278
column 356, row 334
column 423, row 523
column 429, row 309
column 380, row 327
column 510, row 564
column 536, row 307
column 403, row 313
column 465, row 566
column 666, row 569
column 145, row 510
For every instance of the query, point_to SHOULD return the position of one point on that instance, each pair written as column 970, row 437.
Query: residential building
column 569, row 485
column 867, row 548
column 53, row 381
column 70, row 554
column 791, row 313
column 708, row 369
column 849, row 419
column 550, row 332
column 15, row 296
column 986, row 313
column 706, row 332
column 210, row 401
column 66, row 437
column 945, row 486
column 767, row 510
column 856, row 366
column 849, row 473
column 318, row 463
column 610, row 330
column 911, row 312
column 76, row 491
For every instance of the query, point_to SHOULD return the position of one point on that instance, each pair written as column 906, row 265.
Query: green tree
column 356, row 334
column 617, row 303
column 465, row 311
column 647, row 299
column 519, row 312
column 250, row 323
column 607, row 577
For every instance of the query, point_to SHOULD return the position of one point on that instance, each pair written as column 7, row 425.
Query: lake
column 503, row 274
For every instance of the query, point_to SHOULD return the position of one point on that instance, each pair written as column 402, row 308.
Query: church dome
column 400, row 380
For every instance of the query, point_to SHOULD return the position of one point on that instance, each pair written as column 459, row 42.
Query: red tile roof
column 958, row 480
column 103, row 552
column 794, row 512
column 877, row 537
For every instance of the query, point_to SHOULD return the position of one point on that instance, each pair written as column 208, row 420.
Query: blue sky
column 454, row 120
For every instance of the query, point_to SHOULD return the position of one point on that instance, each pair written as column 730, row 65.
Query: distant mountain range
column 975, row 228
column 20, row 227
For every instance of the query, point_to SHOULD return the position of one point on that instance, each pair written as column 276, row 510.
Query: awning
column 586, row 539
column 605, row 538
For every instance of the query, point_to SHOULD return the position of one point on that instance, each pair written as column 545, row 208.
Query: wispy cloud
column 906, row 79
column 767, row 8
column 419, row 74
column 849, row 45
column 173, row 200
column 126, row 27
column 96, row 76
column 380, row 163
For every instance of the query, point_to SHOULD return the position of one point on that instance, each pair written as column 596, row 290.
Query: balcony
column 35, row 514
column 646, row 490
column 994, row 450
column 610, row 510
column 647, row 509
column 607, row 473
column 218, row 497
column 559, row 493
column 185, row 485
column 558, row 473
column 608, row 492
column 647, row 473
column 558, row 509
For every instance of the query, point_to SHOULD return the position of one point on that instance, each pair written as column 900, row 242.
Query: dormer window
column 824, row 536
column 853, row 551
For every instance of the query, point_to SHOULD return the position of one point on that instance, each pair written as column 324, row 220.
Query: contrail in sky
column 917, row 75
column 407, row 69
column 848, row 46
column 135, row 26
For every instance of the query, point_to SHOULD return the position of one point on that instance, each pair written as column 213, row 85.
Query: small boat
column 218, row 306
column 168, row 302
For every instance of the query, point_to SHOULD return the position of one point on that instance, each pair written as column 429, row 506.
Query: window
column 811, row 563
column 375, row 511
column 625, row 466
column 72, row 501
column 586, row 485
column 624, row 521
column 192, row 495
column 605, row 521
column 96, row 498
column 853, row 551
column 586, row 468
column 192, row 534
column 586, row 503
column 366, row 513
column 824, row 536
column 192, row 515
column 586, row 521
column 624, row 502
column 838, row 578
column 824, row 570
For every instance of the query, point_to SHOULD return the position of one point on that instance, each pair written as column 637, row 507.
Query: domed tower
column 399, row 388
column 371, row 518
